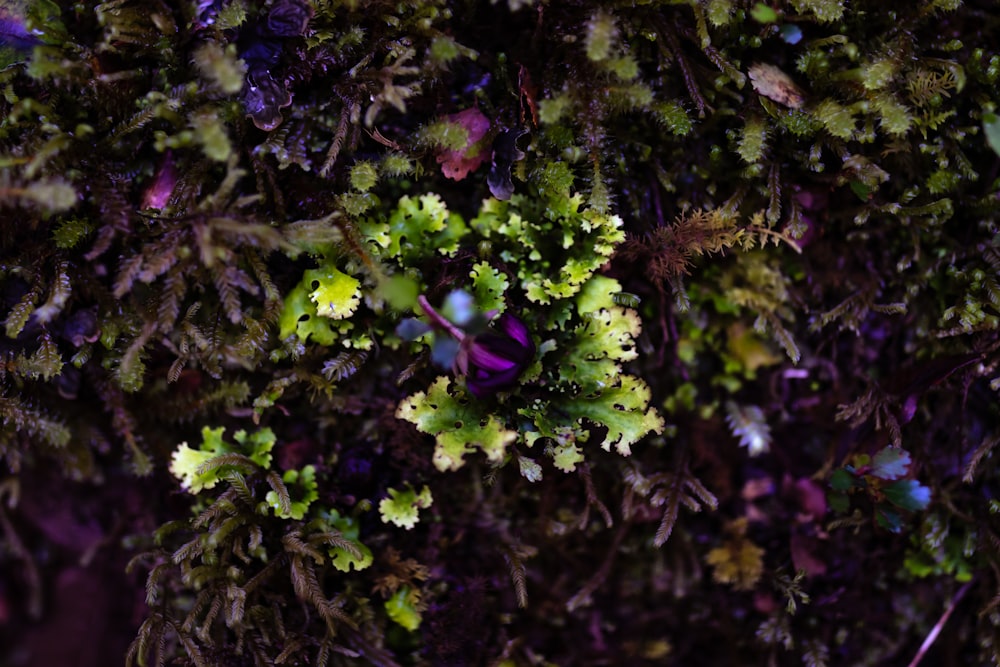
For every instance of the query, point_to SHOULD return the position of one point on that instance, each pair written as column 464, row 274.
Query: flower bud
column 493, row 360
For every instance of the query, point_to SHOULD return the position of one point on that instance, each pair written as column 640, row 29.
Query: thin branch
column 936, row 630
column 583, row 595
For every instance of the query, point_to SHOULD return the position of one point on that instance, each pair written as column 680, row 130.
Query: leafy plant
column 879, row 477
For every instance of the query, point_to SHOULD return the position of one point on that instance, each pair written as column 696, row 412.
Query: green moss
column 235, row 213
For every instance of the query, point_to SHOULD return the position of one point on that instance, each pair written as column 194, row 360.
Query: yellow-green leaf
column 336, row 294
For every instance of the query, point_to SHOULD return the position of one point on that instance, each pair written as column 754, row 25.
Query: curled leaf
column 456, row 164
column 264, row 98
column 505, row 154
column 774, row 84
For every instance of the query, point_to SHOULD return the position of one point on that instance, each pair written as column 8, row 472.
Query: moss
column 719, row 223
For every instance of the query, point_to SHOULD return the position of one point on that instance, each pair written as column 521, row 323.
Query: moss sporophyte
column 491, row 361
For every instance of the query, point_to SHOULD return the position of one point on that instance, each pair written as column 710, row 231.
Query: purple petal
column 516, row 329
column 489, row 359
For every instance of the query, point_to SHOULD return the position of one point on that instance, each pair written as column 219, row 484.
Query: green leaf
column 211, row 133
column 762, row 13
column 878, row 74
column 45, row 362
column 402, row 507
column 400, row 292
column 422, row 227
column 565, row 456
column 460, row 426
column 300, row 316
column 836, row 118
column 597, row 294
column 674, row 118
column 256, row 446
column 488, row 287
column 303, row 490
column 605, row 338
column 622, row 408
column 719, row 12
column 896, row 118
column 51, row 195
column 555, row 245
column 186, row 462
column 336, row 295
column 842, row 480
column 991, row 128
column 601, row 34
column 753, row 140
column 402, row 610
column 823, row 10
column 220, row 66
column 71, row 231
column 908, row 494
column 529, row 468
column 838, row 502
column 343, row 559
column 890, row 463
column 364, row 176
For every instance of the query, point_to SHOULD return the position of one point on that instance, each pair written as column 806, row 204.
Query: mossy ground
column 755, row 247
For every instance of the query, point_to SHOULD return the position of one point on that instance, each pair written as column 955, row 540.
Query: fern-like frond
column 295, row 545
column 240, row 462
column 518, row 575
column 344, row 365
column 281, row 491
column 981, row 453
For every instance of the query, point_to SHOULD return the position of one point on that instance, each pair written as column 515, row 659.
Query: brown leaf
column 774, row 84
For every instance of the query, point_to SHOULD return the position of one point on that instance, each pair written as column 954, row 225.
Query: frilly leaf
column 188, row 464
column 908, row 494
column 459, row 425
column 338, row 294
column 402, row 507
column 890, row 463
column 402, row 610
column 302, row 491
column 300, row 316
column 623, row 409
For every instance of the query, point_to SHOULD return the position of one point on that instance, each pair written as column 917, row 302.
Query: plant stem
column 439, row 320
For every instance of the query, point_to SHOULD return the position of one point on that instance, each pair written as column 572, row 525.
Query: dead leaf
column 738, row 561
column 774, row 84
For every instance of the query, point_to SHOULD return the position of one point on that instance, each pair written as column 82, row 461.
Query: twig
column 583, row 595
column 690, row 80
column 33, row 579
column 936, row 630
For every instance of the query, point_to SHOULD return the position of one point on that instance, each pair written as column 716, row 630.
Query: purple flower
column 493, row 360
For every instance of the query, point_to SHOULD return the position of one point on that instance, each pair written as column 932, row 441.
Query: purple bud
column 493, row 360
column 517, row 330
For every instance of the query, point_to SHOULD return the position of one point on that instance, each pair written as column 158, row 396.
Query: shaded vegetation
column 511, row 333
